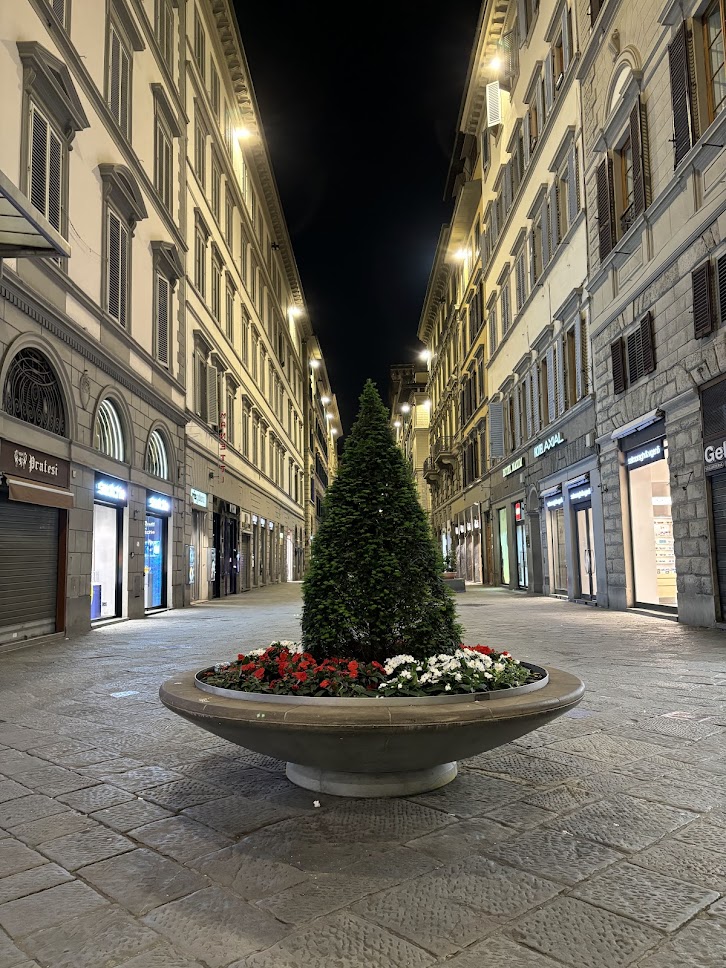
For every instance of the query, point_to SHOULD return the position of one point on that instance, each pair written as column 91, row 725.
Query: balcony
column 431, row 472
column 444, row 453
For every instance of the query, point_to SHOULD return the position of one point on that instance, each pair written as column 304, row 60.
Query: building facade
column 410, row 417
column 154, row 347
column 653, row 88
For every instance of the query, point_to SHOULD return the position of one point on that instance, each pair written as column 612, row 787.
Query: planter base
column 403, row 784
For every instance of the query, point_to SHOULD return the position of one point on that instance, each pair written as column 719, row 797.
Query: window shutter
column 579, row 370
column 617, row 358
column 702, row 310
column 114, row 266
column 646, row 339
column 681, row 98
column 721, row 275
column 549, row 87
column 551, row 384
column 494, row 104
column 59, row 9
column 560, row 356
column 525, row 137
column 566, row 39
column 639, row 141
column 212, row 395
column 545, row 233
column 573, row 201
column 530, row 245
column 54, row 180
column 517, row 429
column 123, row 274
column 535, row 399
column 124, row 118
column 605, row 213
column 38, row 160
column 554, row 216
column 114, row 79
column 528, row 403
column 162, row 319
column 540, row 110
column 522, row 20
column 496, row 429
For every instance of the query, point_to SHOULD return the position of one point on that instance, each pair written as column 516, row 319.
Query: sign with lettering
column 645, row 455
column 33, row 465
column 543, row 446
column 158, row 504
column 514, row 466
column 199, row 498
column 108, row 490
column 714, row 457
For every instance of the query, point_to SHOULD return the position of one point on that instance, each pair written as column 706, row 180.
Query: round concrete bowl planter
column 373, row 747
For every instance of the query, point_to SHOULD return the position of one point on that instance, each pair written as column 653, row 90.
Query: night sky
column 360, row 119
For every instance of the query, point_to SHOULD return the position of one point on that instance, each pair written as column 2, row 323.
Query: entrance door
column 586, row 552
column 488, row 550
column 216, row 540
column 522, row 576
column 558, row 553
column 155, row 562
column 106, row 562
column 718, row 507
column 503, row 546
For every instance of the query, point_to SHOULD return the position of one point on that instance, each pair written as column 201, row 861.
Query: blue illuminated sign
column 110, row 491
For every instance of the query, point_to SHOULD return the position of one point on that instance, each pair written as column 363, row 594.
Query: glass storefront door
column 522, row 576
column 155, row 562
column 558, row 549
column 107, row 562
column 503, row 546
column 586, row 551
column 651, row 525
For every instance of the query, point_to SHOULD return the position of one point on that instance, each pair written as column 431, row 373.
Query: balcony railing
column 444, row 451
column 431, row 472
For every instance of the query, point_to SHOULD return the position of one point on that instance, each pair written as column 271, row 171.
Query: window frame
column 125, row 48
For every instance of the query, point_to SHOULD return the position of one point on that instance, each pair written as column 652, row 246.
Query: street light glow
column 396, row 423
column 325, row 400
column 405, row 408
column 314, row 363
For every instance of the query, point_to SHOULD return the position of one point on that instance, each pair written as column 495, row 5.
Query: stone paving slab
column 595, row 842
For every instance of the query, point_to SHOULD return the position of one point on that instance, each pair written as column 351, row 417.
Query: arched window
column 157, row 463
column 32, row 393
column 109, row 438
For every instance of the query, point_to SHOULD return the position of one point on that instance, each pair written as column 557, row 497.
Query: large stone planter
column 372, row 747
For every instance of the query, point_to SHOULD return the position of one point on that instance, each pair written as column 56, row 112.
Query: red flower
column 483, row 649
column 301, row 676
column 353, row 669
column 325, row 683
column 260, row 674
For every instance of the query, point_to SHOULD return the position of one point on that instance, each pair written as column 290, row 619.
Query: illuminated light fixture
column 495, row 63
column 396, row 423
column 405, row 408
column 425, row 355
column 294, row 311
column 427, row 403
column 314, row 363
column 325, row 400
column 334, row 431
column 328, row 416
column 460, row 254
column 243, row 133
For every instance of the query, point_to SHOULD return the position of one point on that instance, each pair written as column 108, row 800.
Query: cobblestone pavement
column 130, row 838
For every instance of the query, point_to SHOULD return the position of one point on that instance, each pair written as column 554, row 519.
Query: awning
column 24, row 231
column 44, row 494
column 640, row 424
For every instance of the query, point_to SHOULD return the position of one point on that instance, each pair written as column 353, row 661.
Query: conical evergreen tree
column 374, row 587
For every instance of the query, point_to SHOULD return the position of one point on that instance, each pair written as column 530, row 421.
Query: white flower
column 488, row 675
column 221, row 666
column 255, row 652
column 447, row 687
column 316, row 803
column 499, row 666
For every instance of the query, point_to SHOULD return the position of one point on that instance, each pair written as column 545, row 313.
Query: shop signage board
column 199, row 498
column 544, row 445
column 645, row 455
column 556, row 501
column 714, row 457
column 580, row 494
column 158, row 504
column 514, row 466
column 109, row 490
column 33, row 465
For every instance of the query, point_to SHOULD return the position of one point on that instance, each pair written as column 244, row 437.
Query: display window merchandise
column 107, row 564
column 651, row 525
column 503, row 546
column 156, row 540
column 581, row 503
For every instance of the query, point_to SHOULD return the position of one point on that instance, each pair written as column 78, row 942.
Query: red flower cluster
column 484, row 649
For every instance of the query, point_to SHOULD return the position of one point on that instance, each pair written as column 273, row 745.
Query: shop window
column 108, row 436
column 32, row 393
column 156, row 461
column 651, row 522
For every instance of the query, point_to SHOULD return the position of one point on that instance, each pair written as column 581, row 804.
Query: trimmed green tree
column 374, row 588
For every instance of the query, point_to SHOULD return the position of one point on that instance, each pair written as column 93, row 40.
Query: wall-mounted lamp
column 405, row 408
column 314, row 364
column 325, row 400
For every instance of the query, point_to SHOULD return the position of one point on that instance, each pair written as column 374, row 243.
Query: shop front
column 198, row 546
column 110, row 502
column 156, row 551
column 510, row 538
column 34, row 503
column 580, row 497
column 714, row 459
column 467, row 530
column 554, row 502
column 225, row 535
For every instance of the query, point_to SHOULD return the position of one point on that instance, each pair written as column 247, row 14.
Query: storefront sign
column 158, row 504
column 518, row 513
column 554, row 441
column 714, row 457
column 645, row 455
column 111, row 491
column 514, row 466
column 581, row 494
column 199, row 498
column 33, row 464
column 555, row 502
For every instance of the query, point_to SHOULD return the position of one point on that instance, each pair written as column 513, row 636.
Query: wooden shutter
column 639, row 142
column 54, row 179
column 605, row 213
column 496, row 429
column 545, row 233
column 525, row 137
column 534, row 377
column 114, row 75
column 123, row 274
column 554, row 227
column 681, row 95
column 573, row 194
column 212, row 395
column 560, row 362
column 551, row 385
column 579, row 370
column 703, row 321
column 617, row 358
column 517, row 429
column 566, row 40
column 549, row 85
column 59, row 9
column 721, row 277
column 124, row 92
column 162, row 319
column 114, row 266
column 528, row 403
column 646, row 338
column 38, row 160
column 522, row 21
column 530, row 246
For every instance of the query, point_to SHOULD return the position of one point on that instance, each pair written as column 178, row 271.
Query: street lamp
column 405, row 408
column 314, row 363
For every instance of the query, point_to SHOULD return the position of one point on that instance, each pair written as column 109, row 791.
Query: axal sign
column 554, row 441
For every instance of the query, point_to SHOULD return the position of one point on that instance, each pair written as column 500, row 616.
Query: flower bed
column 284, row 669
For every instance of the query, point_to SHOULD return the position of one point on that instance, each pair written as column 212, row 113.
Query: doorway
column 586, row 552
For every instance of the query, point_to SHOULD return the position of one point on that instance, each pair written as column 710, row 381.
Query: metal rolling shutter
column 718, row 506
column 28, row 570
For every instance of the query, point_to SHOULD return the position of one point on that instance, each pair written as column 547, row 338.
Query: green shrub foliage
column 374, row 588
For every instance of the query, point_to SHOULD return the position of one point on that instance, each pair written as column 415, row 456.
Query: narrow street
column 129, row 838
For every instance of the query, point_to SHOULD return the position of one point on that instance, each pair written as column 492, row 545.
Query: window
column 229, row 315
column 216, row 285
column 46, row 168
column 118, row 91
column 200, row 44
column 504, row 306
column 255, row 352
column 200, row 260
column 117, row 268
column 245, row 431
column 164, row 30
column 623, row 190
column 713, row 42
column 245, row 337
column 520, row 274
column 108, row 436
column 230, row 414
column 229, row 219
column 200, row 382
column 625, row 174
column 163, row 319
column 163, row 159
column 156, row 461
column 535, row 254
column 493, row 331
column 33, row 393
column 545, row 379
column 570, row 364
column 244, row 259
column 228, row 128
column 200, row 151
column 214, row 89
column 640, row 350
column 216, row 187
column 703, row 303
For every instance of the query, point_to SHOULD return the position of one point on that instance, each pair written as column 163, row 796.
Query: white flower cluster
column 398, row 660
column 464, row 665
column 221, row 666
column 292, row 647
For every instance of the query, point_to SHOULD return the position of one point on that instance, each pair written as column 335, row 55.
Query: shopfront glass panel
column 651, row 523
column 586, row 552
column 522, row 577
column 154, row 590
column 558, row 551
column 105, row 578
column 503, row 546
